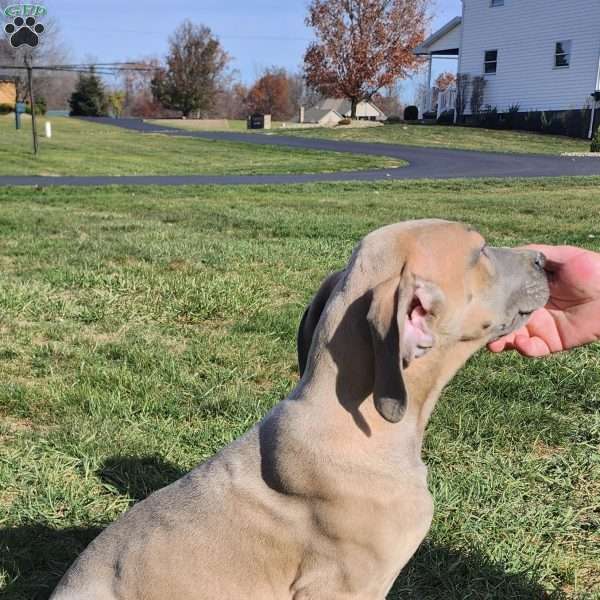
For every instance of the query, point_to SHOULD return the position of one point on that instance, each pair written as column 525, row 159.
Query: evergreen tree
column 88, row 99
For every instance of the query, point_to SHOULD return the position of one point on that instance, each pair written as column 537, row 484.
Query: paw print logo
column 24, row 32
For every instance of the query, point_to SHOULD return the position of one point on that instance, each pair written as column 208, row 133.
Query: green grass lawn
column 443, row 136
column 145, row 328
column 83, row 148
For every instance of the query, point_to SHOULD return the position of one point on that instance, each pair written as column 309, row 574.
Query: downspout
column 429, row 97
column 460, row 51
column 594, row 102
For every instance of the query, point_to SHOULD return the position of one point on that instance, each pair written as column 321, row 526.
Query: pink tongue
column 417, row 340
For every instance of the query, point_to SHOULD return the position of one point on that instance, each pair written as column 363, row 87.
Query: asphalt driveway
column 424, row 163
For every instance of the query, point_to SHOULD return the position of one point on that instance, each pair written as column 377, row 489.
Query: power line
column 98, row 69
column 274, row 38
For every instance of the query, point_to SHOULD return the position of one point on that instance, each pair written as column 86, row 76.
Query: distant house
column 319, row 116
column 534, row 54
column 8, row 91
column 332, row 110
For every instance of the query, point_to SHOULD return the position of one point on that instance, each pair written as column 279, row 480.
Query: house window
column 497, row 3
column 562, row 54
column 490, row 63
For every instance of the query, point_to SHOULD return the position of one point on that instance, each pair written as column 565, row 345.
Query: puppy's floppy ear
column 400, row 332
column 384, row 318
column 311, row 317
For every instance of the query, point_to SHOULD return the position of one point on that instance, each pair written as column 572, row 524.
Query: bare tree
column 389, row 100
column 232, row 101
column 136, row 84
column 305, row 94
column 55, row 87
column 462, row 88
column 477, row 93
column 421, row 94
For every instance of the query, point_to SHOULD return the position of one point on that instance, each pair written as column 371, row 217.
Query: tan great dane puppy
column 326, row 498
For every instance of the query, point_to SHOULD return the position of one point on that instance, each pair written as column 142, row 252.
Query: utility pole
column 32, row 101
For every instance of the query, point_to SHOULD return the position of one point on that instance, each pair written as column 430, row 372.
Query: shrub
column 577, row 122
column 41, row 107
column 489, row 117
column 393, row 120
column 411, row 113
column 554, row 124
column 511, row 119
column 446, row 118
column 430, row 115
column 595, row 147
column 533, row 121
column 6, row 109
column 477, row 93
column 345, row 122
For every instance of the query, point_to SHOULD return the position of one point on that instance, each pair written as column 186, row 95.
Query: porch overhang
column 443, row 42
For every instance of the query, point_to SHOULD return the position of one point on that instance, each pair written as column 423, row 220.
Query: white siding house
column 542, row 55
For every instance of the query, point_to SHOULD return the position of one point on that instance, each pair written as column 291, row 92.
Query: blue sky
column 256, row 33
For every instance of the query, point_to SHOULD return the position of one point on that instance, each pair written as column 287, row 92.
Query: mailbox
column 256, row 121
column 20, row 109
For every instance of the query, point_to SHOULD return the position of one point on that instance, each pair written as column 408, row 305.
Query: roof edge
column 436, row 35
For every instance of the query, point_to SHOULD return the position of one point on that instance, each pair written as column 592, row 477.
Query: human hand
column 572, row 316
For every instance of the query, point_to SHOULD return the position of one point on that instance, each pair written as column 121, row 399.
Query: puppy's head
column 425, row 285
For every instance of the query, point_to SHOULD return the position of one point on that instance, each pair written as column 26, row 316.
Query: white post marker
column 48, row 129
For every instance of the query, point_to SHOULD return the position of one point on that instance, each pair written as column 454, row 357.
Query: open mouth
column 418, row 339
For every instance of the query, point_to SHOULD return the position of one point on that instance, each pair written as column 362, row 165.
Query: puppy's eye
column 484, row 250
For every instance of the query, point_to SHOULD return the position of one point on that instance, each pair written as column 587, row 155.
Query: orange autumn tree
column 445, row 80
column 362, row 45
column 271, row 95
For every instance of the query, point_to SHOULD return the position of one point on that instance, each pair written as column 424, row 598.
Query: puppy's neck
column 427, row 377
column 337, row 387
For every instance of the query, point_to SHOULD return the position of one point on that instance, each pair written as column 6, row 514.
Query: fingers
column 504, row 343
column 498, row 346
column 542, row 326
column 532, row 347
column 539, row 337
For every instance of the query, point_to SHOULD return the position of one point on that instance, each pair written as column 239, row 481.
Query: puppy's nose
column 539, row 260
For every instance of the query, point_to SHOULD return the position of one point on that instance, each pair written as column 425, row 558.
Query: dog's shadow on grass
column 34, row 557
column 437, row 572
column 138, row 477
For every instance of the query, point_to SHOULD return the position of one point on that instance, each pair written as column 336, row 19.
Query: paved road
column 430, row 163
